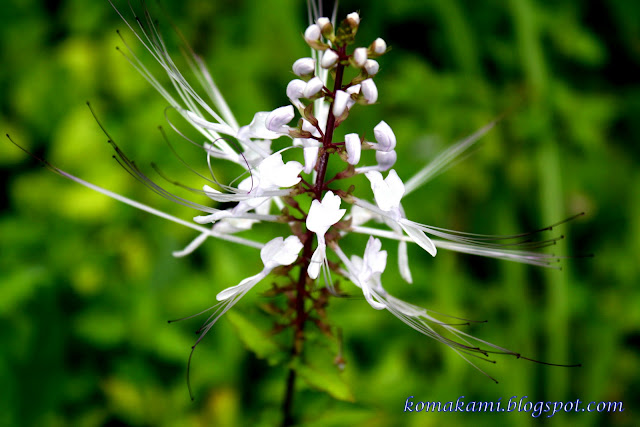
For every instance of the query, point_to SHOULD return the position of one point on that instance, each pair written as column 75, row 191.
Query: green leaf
column 255, row 338
column 324, row 376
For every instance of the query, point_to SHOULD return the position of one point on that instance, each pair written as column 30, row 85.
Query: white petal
column 374, row 257
column 369, row 91
column 403, row 262
column 288, row 175
column 295, row 91
column 257, row 128
column 420, row 238
column 316, row 260
column 340, row 103
column 329, row 59
column 353, row 146
column 234, row 225
column 322, row 215
column 379, row 46
column 388, row 192
column 386, row 160
column 354, row 17
column 322, row 22
column 195, row 244
column 278, row 118
column 371, row 67
column 304, row 66
column 396, row 187
column 280, row 252
column 274, row 173
column 360, row 56
column 373, row 303
column 384, row 136
column 310, row 158
column 312, row 87
column 241, row 287
column 353, row 89
column 312, row 33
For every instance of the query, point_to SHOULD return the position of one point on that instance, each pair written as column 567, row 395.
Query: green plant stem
column 301, row 292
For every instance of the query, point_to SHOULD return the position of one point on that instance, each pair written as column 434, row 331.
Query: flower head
column 322, row 215
column 264, row 180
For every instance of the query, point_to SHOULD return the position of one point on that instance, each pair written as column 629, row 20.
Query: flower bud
column 360, row 56
column 378, row 46
column 329, row 59
column 325, row 26
column 312, row 33
column 312, row 87
column 353, row 19
column 353, row 146
column 385, row 137
column 340, row 103
column 304, row 67
column 277, row 120
column 355, row 89
column 369, row 91
column 295, row 91
column 371, row 67
column 306, row 126
column 310, row 158
column 386, row 159
column 322, row 22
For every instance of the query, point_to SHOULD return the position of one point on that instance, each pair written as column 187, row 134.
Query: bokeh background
column 87, row 284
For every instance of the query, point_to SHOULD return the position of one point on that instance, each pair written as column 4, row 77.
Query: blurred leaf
column 254, row 338
column 324, row 376
column 19, row 286
column 101, row 327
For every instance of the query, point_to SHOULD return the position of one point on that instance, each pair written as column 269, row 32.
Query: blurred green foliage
column 87, row 284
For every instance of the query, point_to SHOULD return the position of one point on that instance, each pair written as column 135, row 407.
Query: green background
column 87, row 284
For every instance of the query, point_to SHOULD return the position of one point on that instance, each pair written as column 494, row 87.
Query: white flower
column 371, row 67
column 360, row 56
column 387, row 194
column 367, row 270
column 365, row 273
column 329, row 59
column 313, row 86
column 353, row 145
column 304, row 66
column 322, row 215
column 379, row 46
column 275, row 253
column 274, row 173
column 262, row 185
column 277, row 120
column 384, row 136
column 340, row 102
column 369, row 91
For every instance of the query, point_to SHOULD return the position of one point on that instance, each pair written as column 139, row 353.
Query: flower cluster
column 271, row 190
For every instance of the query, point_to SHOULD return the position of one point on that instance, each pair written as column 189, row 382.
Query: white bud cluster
column 331, row 47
